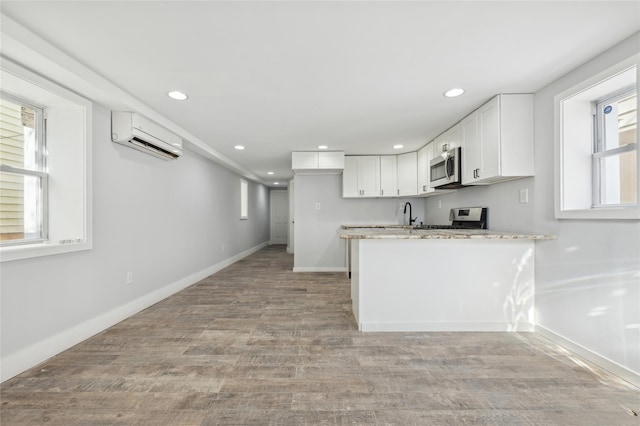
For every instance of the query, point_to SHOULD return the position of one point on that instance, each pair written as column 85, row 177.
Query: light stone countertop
column 381, row 232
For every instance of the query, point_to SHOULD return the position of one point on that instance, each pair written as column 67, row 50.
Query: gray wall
column 317, row 245
column 588, row 280
column 161, row 220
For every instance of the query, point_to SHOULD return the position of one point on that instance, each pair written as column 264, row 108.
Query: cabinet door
column 388, row 176
column 440, row 144
column 423, row 169
column 369, row 176
column 350, row 177
column 454, row 137
column 304, row 160
column 331, row 160
column 489, row 136
column 431, row 154
column 408, row 174
column 471, row 150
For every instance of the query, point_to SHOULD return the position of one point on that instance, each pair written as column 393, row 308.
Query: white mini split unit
column 137, row 132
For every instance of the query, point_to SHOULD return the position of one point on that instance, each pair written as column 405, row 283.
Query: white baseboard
column 602, row 362
column 14, row 364
column 443, row 326
column 319, row 269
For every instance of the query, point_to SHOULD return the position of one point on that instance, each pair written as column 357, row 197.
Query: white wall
column 165, row 221
column 317, row 245
column 505, row 211
column 588, row 280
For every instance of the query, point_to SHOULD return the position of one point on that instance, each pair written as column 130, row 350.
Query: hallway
column 257, row 344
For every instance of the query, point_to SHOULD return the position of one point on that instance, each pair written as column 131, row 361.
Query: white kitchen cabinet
column 304, row 160
column 331, row 160
column 408, row 174
column 450, row 139
column 388, row 176
column 361, row 177
column 502, row 148
column 471, row 152
column 312, row 162
column 424, row 157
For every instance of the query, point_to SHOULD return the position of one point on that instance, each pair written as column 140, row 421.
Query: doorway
column 279, row 217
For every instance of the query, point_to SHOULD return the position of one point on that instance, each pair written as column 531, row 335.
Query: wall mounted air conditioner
column 135, row 131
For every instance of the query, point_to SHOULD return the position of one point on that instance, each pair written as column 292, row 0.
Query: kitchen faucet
column 411, row 220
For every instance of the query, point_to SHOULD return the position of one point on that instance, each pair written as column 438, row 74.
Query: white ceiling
column 356, row 76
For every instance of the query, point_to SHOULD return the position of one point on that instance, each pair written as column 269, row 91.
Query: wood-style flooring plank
column 256, row 344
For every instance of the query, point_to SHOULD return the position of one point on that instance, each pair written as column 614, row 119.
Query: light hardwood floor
column 257, row 344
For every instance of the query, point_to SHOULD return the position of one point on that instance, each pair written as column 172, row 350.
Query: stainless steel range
column 463, row 218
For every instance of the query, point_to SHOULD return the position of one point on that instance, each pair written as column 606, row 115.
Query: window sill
column 615, row 213
column 28, row 251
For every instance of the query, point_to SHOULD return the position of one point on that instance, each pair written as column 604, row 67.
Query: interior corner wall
column 167, row 222
column 588, row 280
column 320, row 211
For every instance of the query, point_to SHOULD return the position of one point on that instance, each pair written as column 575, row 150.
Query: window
column 596, row 147
column 614, row 158
column 45, row 167
column 244, row 199
column 23, row 180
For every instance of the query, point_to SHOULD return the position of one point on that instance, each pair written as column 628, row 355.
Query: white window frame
column 39, row 172
column 69, row 134
column 244, row 199
column 600, row 150
column 573, row 170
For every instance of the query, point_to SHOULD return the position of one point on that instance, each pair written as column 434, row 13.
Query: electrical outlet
column 439, row 204
column 223, row 246
column 317, row 206
column 129, row 277
column 524, row 196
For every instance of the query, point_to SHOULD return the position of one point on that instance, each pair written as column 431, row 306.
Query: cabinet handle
column 398, row 192
column 424, row 187
column 382, row 192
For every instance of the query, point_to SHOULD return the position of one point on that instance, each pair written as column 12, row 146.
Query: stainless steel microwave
column 446, row 170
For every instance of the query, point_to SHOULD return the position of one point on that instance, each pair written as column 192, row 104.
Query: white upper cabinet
column 450, row 139
column 361, row 177
column 388, row 176
column 408, row 174
column 454, row 137
column 304, row 160
column 380, row 176
column 311, row 162
column 424, row 158
column 331, row 160
column 471, row 153
column 502, row 147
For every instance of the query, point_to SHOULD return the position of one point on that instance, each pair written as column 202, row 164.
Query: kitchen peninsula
column 405, row 279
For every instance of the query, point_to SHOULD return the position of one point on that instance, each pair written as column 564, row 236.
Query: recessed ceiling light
column 322, row 147
column 269, row 173
column 453, row 93
column 398, row 146
column 239, row 147
column 178, row 96
column 276, row 183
